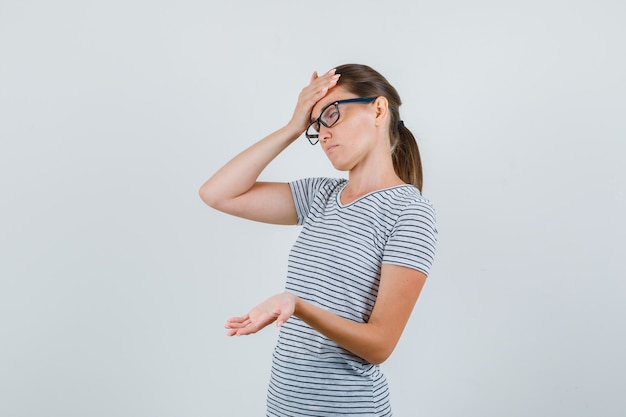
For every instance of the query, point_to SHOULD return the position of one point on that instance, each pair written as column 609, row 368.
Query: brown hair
column 366, row 82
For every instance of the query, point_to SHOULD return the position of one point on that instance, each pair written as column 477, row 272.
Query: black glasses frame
column 314, row 138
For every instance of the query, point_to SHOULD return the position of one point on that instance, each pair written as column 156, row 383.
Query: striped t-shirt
column 335, row 263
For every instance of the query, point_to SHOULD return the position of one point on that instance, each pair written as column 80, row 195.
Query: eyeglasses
column 329, row 116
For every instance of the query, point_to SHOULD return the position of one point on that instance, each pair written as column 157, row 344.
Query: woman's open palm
column 276, row 308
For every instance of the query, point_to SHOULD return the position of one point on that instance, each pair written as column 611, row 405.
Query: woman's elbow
column 379, row 354
column 208, row 196
column 379, row 358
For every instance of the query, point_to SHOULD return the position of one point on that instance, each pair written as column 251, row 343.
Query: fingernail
column 332, row 71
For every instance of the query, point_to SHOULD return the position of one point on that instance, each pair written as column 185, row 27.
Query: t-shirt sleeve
column 413, row 238
column 304, row 191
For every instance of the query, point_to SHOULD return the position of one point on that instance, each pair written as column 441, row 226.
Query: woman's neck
column 361, row 182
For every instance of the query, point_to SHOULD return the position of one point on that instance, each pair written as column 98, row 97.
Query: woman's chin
column 339, row 166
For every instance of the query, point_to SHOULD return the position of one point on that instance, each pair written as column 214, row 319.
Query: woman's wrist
column 292, row 130
column 296, row 303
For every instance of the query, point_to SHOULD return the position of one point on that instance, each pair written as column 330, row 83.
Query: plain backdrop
column 116, row 280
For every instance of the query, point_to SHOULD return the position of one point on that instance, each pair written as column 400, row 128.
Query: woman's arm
column 234, row 188
column 373, row 341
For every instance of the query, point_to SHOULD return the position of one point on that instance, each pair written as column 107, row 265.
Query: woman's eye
column 332, row 115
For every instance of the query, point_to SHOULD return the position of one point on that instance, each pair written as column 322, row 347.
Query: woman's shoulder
column 329, row 181
column 320, row 183
column 406, row 195
column 408, row 199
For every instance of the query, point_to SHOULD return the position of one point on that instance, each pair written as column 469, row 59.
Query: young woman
column 366, row 245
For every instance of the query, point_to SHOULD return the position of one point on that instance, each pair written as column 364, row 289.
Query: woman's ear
column 381, row 105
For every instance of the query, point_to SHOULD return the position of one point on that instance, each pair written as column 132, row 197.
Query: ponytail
column 406, row 159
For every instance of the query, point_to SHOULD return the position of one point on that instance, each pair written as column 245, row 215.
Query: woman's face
column 351, row 138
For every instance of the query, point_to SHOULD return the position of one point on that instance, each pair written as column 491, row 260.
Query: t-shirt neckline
column 356, row 200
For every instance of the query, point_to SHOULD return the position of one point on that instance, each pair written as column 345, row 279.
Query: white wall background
column 115, row 279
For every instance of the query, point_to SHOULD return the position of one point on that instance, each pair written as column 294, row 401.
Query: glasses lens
column 330, row 115
column 312, row 131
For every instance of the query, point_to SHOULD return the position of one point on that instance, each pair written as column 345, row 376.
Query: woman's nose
column 324, row 133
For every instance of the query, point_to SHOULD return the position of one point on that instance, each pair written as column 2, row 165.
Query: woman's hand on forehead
column 318, row 88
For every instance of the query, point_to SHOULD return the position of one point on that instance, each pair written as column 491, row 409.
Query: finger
column 323, row 80
column 237, row 322
column 239, row 319
column 236, row 325
column 329, row 81
column 244, row 331
column 239, row 329
column 330, row 78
